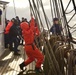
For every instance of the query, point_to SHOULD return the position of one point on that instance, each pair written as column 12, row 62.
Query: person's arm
column 37, row 32
column 51, row 29
column 32, row 24
column 8, row 27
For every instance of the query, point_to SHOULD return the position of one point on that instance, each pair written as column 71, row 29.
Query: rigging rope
column 68, row 5
column 53, row 57
column 51, row 9
column 71, row 17
column 64, row 18
column 44, row 15
column 73, row 27
column 69, row 11
column 74, row 5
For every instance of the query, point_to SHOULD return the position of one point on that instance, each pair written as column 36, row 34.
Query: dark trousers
column 6, row 38
column 15, row 41
column 34, row 54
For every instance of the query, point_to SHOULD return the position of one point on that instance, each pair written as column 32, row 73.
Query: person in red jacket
column 7, row 29
column 12, row 31
column 31, row 50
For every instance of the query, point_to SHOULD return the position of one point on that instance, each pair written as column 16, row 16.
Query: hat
column 55, row 19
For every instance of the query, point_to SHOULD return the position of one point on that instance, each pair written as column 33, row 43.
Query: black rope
column 71, row 17
column 71, row 38
column 73, row 27
column 73, row 41
column 68, row 5
column 55, row 14
column 69, row 12
column 69, row 34
column 51, row 9
column 65, row 22
column 37, row 12
column 56, row 65
column 74, row 31
column 44, row 14
column 64, row 17
column 61, row 18
column 57, row 10
column 74, row 5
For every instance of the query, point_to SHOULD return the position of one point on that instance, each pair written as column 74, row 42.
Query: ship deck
column 9, row 64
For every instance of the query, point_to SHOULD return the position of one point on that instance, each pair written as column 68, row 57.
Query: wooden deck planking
column 5, row 63
column 9, row 64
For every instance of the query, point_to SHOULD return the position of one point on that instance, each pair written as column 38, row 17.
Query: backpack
column 14, row 31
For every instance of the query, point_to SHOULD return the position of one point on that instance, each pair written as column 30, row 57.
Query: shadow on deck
column 9, row 64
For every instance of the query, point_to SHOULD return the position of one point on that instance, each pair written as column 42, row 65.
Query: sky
column 22, row 8
column 18, row 3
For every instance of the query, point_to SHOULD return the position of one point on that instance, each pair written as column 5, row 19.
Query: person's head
column 26, row 19
column 7, row 21
column 13, row 19
column 56, row 21
column 17, row 17
column 16, row 22
column 23, row 19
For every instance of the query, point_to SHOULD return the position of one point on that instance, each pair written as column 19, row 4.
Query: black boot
column 38, row 70
column 11, row 48
column 16, row 53
column 18, row 50
column 22, row 65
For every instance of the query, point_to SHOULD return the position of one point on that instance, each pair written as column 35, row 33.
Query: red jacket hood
column 24, row 26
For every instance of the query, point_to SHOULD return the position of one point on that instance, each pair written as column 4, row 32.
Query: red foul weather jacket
column 28, row 31
column 8, row 27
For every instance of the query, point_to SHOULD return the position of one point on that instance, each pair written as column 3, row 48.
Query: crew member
column 56, row 28
column 31, row 50
column 7, row 29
